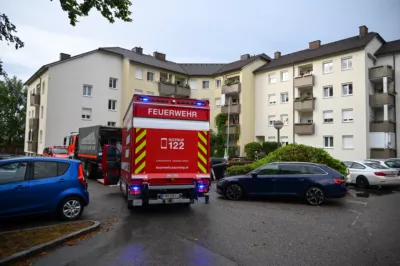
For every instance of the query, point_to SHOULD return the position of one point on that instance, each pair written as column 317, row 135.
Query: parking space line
column 357, row 202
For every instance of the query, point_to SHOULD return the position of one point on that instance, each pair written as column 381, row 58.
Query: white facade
column 64, row 99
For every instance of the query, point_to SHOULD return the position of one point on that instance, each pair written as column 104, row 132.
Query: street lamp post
column 278, row 126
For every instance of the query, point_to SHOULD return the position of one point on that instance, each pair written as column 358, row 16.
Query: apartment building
column 340, row 96
column 96, row 88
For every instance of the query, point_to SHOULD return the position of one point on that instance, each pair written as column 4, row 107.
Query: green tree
column 12, row 110
column 109, row 9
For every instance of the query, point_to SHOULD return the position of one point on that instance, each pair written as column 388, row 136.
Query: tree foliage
column 292, row 153
column 12, row 110
column 109, row 9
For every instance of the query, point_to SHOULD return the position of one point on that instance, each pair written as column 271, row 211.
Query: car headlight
column 221, row 181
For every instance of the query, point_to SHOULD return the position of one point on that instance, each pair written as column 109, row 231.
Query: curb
column 52, row 243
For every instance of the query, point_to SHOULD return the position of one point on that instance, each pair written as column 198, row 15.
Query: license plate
column 392, row 176
column 170, row 196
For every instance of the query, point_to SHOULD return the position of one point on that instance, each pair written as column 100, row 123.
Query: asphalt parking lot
column 362, row 229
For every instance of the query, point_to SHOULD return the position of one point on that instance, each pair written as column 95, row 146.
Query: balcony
column 34, row 123
column 35, row 99
column 170, row 89
column 382, row 153
column 304, row 81
column 231, row 89
column 235, row 109
column 380, row 99
column 382, row 126
column 379, row 72
column 305, row 104
column 32, row 146
column 304, row 129
column 233, row 129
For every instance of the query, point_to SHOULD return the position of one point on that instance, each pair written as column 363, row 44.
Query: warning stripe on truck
column 202, row 144
column 140, row 150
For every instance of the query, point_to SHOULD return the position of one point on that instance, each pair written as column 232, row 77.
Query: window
column 112, row 104
column 111, row 124
column 327, row 67
column 150, row 93
column 392, row 164
column 284, row 140
column 271, row 139
column 376, row 166
column 271, row 169
column 12, row 172
column 86, row 113
column 284, row 97
column 47, row 169
column 40, row 136
column 347, row 115
column 347, row 142
column 328, row 142
column 316, row 170
column 112, row 83
column 87, row 90
column 347, row 63
column 272, row 78
column 41, row 111
column 293, row 169
column 193, row 84
column 285, row 119
column 328, row 91
column 138, row 91
column 357, row 166
column 139, row 74
column 206, row 84
column 218, row 102
column 284, row 75
column 271, row 120
column 327, row 116
column 218, row 83
column 272, row 99
column 43, row 87
column 150, row 76
column 347, row 89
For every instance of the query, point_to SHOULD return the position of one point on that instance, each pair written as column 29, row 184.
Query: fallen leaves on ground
column 17, row 241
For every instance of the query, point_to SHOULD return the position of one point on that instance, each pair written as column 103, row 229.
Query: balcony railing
column 304, row 81
column 382, row 126
column 233, row 129
column 235, row 109
column 380, row 99
column 231, row 89
column 32, row 146
column 306, row 104
column 35, row 99
column 34, row 123
column 304, row 129
column 379, row 72
column 171, row 89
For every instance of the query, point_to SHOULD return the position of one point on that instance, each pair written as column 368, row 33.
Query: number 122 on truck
column 165, row 155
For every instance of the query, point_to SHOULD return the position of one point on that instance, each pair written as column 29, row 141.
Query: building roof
column 348, row 44
column 237, row 65
column 389, row 47
column 201, row 69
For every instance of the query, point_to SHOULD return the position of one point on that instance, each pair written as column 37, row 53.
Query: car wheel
column 362, row 182
column 315, row 196
column 234, row 192
column 71, row 208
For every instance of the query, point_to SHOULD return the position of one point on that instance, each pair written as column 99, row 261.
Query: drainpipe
column 395, row 106
column 293, row 97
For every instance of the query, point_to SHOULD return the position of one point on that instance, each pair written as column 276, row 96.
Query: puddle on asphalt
column 374, row 191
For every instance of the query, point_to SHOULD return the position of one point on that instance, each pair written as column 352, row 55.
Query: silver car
column 369, row 173
column 391, row 163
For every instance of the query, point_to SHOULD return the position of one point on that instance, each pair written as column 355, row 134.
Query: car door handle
column 20, row 187
column 61, row 181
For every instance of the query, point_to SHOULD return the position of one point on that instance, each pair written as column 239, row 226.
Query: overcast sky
column 202, row 31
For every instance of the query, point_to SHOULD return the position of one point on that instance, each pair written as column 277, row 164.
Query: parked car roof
column 38, row 158
column 305, row 163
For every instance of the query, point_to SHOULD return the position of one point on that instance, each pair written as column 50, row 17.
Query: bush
column 269, row 146
column 292, row 153
column 251, row 148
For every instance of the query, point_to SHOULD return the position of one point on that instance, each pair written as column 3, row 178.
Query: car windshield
column 393, row 164
column 60, row 151
column 375, row 166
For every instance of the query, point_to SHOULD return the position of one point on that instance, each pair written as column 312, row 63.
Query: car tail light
column 339, row 180
column 228, row 164
column 380, row 173
column 81, row 176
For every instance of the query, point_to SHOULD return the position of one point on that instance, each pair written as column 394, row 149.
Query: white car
column 370, row 173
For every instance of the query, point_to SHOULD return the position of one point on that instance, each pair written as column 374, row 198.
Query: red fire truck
column 165, row 154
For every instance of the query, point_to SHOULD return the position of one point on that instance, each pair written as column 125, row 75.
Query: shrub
column 292, row 153
column 251, row 148
column 269, row 146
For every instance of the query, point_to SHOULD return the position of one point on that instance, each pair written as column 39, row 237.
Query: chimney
column 315, row 44
column 159, row 56
column 64, row 56
column 245, row 57
column 363, row 31
column 138, row 50
column 277, row 54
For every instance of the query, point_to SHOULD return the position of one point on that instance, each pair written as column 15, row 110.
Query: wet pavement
column 357, row 230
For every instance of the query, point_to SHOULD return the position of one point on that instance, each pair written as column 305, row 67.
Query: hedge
column 263, row 149
column 291, row 153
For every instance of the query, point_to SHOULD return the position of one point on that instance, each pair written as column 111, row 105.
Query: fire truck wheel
column 89, row 171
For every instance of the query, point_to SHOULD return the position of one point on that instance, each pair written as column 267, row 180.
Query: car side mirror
column 65, row 141
column 50, row 153
column 253, row 174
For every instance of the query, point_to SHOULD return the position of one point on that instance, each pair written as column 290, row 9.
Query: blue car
column 313, row 182
column 40, row 185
